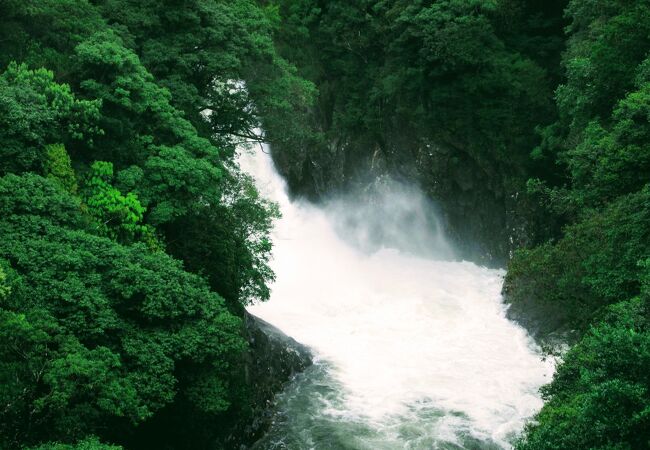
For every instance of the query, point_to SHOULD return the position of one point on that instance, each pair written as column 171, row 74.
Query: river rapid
column 412, row 348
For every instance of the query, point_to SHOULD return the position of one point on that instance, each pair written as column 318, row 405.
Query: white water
column 415, row 352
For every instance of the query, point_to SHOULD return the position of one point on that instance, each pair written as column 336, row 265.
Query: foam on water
column 415, row 351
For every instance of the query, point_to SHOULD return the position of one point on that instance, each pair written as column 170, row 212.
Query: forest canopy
column 131, row 242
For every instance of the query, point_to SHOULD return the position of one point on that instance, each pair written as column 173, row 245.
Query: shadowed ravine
column 412, row 348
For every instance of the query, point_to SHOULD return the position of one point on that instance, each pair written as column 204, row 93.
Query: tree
column 564, row 285
column 58, row 167
column 119, row 216
column 36, row 111
column 614, row 158
column 210, row 54
column 97, row 336
column 600, row 394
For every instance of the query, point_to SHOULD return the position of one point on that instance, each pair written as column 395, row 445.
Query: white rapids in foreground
column 411, row 352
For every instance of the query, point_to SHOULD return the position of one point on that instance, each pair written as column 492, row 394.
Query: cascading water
column 412, row 349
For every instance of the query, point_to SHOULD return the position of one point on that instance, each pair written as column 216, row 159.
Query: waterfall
column 412, row 347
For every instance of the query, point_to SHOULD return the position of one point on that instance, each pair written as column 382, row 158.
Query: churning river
column 412, row 348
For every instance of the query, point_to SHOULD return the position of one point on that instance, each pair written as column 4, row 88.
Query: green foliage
column 101, row 335
column 608, row 41
column 166, row 160
column 5, row 289
column 136, row 112
column 596, row 180
column 614, row 161
column 601, row 142
column 36, row 111
column 91, row 443
column 379, row 63
column 179, row 177
column 612, row 158
column 58, row 167
column 29, row 195
column 43, row 33
column 97, row 333
column 600, row 394
column 203, row 54
column 234, row 256
column 593, row 265
column 120, row 216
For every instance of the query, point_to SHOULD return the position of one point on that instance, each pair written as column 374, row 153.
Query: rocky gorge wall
column 481, row 213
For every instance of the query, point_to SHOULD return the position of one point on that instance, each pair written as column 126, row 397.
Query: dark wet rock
column 545, row 322
column 273, row 360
